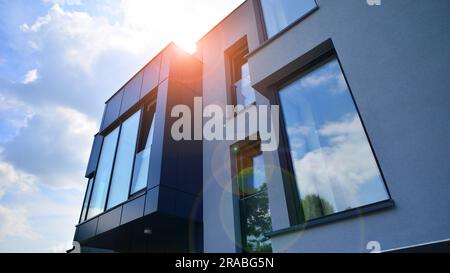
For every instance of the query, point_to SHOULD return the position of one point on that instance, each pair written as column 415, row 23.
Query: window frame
column 263, row 38
column 242, row 147
column 240, row 50
column 263, row 27
column 294, row 206
column 151, row 99
column 94, row 177
column 86, row 199
column 139, row 142
column 115, row 158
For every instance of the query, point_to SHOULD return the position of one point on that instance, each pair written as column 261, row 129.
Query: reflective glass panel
column 255, row 222
column 253, row 177
column 278, row 14
column 254, row 203
column 86, row 200
column 334, row 166
column 245, row 94
column 142, row 161
column 123, row 166
column 101, row 182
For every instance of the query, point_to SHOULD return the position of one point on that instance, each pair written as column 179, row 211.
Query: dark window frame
column 301, row 17
column 263, row 36
column 86, row 199
column 235, row 57
column 140, row 141
column 235, row 150
column 151, row 99
column 314, row 58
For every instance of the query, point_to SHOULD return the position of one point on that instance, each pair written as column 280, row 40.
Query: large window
column 242, row 93
column 333, row 164
column 124, row 163
column 103, row 175
column 142, row 161
column 278, row 14
column 120, row 182
column 253, row 199
column 86, row 200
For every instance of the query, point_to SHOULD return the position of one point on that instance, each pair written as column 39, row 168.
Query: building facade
column 363, row 136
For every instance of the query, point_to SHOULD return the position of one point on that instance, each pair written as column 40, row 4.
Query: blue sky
column 59, row 61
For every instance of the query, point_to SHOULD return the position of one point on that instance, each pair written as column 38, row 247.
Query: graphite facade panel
column 112, row 109
column 132, row 92
column 151, row 76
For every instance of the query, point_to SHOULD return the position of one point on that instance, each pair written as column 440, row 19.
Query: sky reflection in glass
column 278, row 14
column 142, row 163
column 334, row 167
column 123, row 167
column 101, row 182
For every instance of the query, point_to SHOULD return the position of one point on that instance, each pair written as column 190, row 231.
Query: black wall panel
column 132, row 92
column 112, row 109
column 151, row 76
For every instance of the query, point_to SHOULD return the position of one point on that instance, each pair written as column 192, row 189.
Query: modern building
column 364, row 136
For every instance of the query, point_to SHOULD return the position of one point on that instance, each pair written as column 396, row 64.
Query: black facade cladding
column 112, row 109
column 109, row 220
column 174, row 185
column 133, row 210
column 132, row 92
column 151, row 76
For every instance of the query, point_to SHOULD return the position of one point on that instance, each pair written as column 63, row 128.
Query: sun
column 186, row 44
column 183, row 22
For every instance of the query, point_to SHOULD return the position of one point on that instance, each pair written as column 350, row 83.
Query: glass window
column 278, row 14
column 86, row 200
column 253, row 203
column 245, row 94
column 123, row 166
column 142, row 161
column 242, row 92
column 103, row 175
column 334, row 167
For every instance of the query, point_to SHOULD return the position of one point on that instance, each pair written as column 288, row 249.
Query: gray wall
column 218, row 215
column 397, row 63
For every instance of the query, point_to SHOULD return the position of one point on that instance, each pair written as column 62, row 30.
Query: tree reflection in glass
column 333, row 163
column 254, row 203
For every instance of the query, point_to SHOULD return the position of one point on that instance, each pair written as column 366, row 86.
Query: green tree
column 314, row 206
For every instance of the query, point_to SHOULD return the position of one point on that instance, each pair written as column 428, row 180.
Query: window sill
column 335, row 217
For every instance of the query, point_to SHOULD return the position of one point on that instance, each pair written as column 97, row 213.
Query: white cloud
column 61, row 247
column 83, row 38
column 76, row 131
column 15, row 180
column 14, row 115
column 65, row 2
column 52, row 135
column 14, row 223
column 336, row 172
column 328, row 76
column 31, row 76
column 50, row 142
column 139, row 27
